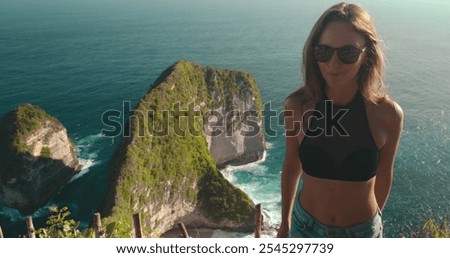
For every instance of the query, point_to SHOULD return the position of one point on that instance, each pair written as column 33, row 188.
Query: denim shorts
column 305, row 225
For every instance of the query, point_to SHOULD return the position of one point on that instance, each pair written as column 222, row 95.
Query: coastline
column 268, row 231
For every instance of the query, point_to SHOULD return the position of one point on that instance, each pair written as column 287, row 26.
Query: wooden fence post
column 258, row 221
column 183, row 230
column 137, row 225
column 30, row 227
column 99, row 232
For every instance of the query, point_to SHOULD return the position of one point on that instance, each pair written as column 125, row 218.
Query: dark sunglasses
column 347, row 54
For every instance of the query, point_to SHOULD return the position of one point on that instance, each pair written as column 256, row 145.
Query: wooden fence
column 100, row 231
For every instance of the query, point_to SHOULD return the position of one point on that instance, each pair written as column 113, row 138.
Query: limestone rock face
column 183, row 129
column 36, row 158
column 236, row 113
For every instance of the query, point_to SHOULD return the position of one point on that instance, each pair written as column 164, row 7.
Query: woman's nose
column 334, row 61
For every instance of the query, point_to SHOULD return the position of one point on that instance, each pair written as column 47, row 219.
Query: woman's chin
column 334, row 84
column 337, row 82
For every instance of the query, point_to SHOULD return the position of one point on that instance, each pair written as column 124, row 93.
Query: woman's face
column 336, row 73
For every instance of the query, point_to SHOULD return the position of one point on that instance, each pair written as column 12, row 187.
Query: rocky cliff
column 233, row 121
column 36, row 158
column 193, row 118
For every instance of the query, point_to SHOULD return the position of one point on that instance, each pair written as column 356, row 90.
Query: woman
column 342, row 133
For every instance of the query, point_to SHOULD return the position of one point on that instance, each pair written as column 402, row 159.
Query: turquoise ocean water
column 77, row 59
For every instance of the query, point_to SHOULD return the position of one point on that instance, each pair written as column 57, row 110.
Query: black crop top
column 338, row 144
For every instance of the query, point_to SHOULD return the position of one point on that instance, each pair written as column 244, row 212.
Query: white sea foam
column 87, row 164
column 87, row 154
column 247, row 167
column 269, row 145
column 254, row 167
column 254, row 188
column 87, row 141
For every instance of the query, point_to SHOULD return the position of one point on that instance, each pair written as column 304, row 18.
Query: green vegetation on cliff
column 24, row 120
column 430, row 229
column 36, row 158
column 167, row 156
column 15, row 126
column 60, row 225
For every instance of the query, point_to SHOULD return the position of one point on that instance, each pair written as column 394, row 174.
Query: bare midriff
column 338, row 203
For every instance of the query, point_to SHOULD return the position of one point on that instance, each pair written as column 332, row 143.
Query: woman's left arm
column 393, row 123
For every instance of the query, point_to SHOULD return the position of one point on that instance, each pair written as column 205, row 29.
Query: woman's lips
column 334, row 74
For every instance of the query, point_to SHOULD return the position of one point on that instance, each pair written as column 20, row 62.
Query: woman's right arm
column 291, row 170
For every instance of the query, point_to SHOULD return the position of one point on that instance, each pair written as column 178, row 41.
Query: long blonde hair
column 370, row 75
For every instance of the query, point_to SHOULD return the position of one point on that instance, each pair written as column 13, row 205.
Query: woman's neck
column 341, row 96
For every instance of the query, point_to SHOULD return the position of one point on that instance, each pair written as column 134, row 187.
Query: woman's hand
column 283, row 231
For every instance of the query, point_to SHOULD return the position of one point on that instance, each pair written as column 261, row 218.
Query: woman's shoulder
column 389, row 110
column 294, row 104
column 296, row 100
column 292, row 100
